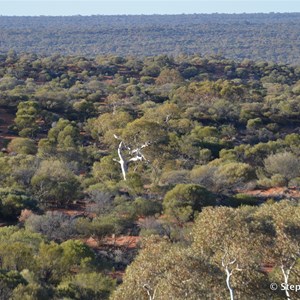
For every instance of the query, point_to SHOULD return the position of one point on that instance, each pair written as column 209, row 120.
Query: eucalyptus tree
column 282, row 229
column 163, row 270
column 227, row 238
column 140, row 141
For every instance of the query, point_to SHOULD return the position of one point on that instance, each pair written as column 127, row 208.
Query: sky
column 146, row 7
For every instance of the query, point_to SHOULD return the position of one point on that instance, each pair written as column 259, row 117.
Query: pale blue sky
column 114, row 7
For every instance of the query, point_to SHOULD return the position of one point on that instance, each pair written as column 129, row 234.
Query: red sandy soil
column 91, row 242
column 129, row 242
column 74, row 212
column 117, row 275
column 267, row 267
column 275, row 192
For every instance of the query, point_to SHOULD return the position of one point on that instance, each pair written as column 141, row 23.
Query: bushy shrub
column 54, row 225
column 86, row 286
column 100, row 202
column 254, row 123
column 134, row 183
column 22, row 146
column 102, row 226
column 31, row 291
column 12, row 202
column 184, row 200
column 54, row 183
column 8, row 281
column 175, row 177
column 152, row 226
column 146, row 207
column 285, row 166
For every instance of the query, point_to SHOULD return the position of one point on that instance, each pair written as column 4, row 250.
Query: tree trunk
column 123, row 168
column 135, row 153
column 122, row 161
column 228, row 275
column 286, row 275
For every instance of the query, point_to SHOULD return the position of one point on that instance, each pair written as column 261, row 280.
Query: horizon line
column 157, row 14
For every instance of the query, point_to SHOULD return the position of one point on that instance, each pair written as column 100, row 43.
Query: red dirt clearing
column 129, row 242
column 281, row 192
column 73, row 212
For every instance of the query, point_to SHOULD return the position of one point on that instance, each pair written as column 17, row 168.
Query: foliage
column 53, row 225
column 102, row 226
column 185, row 200
column 223, row 176
column 224, row 241
column 26, row 118
column 13, row 201
column 285, row 166
column 54, row 183
column 154, row 274
column 22, row 146
column 87, row 286
column 243, row 199
column 192, row 131
column 158, row 34
column 31, row 291
column 8, row 281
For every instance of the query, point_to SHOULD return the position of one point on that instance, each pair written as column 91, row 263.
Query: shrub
column 22, row 146
column 102, row 226
column 151, row 226
column 100, row 202
column 285, row 166
column 31, row 291
column 13, row 201
column 54, row 183
column 146, row 207
column 175, row 177
column 254, row 123
column 232, row 176
column 134, row 183
column 184, row 200
column 86, row 286
column 54, row 225
column 9, row 281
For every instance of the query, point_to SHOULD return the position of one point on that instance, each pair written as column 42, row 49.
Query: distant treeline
column 269, row 37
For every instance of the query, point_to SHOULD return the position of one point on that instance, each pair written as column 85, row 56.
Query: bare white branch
column 148, row 290
column 136, row 154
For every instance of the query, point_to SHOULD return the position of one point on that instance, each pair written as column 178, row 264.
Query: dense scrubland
column 266, row 37
column 184, row 171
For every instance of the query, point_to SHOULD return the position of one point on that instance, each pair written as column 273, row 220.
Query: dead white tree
column 286, row 275
column 128, row 155
column 229, row 266
column 150, row 292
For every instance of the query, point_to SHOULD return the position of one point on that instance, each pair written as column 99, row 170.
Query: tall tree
column 225, row 237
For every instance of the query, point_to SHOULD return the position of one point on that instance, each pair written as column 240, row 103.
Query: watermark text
column 285, row 287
